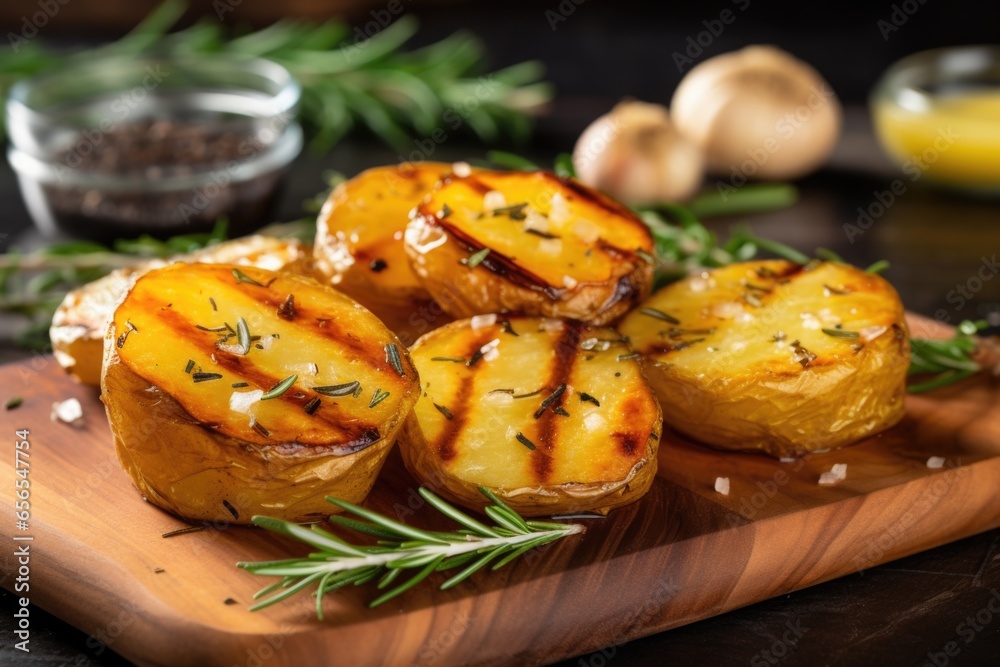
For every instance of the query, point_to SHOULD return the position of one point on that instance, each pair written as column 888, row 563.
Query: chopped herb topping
column 528, row 395
column 476, row 356
column 244, row 278
column 392, row 357
column 212, row 301
column 752, row 299
column 686, row 343
column 357, row 390
column 501, row 391
column 280, row 388
column 286, row 310
column 345, row 389
column 514, row 211
column 378, row 265
column 454, row 359
column 476, row 258
column 778, row 337
column 445, row 212
column 757, row 288
column 524, row 441
column 507, row 328
column 660, row 315
column 549, row 400
column 675, row 333
column 378, row 397
column 232, row 510
column 240, row 385
column 445, row 411
column 559, row 411
column 257, row 426
column 585, row 397
column 626, row 357
column 765, row 272
column 189, row 367
column 840, row 333
column 13, row 402
column 205, row 377
column 312, row 405
column 243, row 336
column 544, row 235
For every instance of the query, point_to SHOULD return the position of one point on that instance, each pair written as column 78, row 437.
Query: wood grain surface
column 684, row 552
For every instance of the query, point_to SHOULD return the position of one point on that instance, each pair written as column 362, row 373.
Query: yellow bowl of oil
column 937, row 115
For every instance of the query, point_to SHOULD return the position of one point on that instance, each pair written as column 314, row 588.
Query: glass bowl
column 117, row 147
column 937, row 115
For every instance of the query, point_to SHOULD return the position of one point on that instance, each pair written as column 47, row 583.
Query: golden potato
column 532, row 243
column 775, row 357
column 80, row 322
column 237, row 392
column 553, row 416
column 359, row 244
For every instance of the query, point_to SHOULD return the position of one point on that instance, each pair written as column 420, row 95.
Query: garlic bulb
column 758, row 113
column 634, row 154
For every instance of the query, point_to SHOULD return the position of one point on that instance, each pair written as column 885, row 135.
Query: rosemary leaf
column 476, row 258
column 280, row 388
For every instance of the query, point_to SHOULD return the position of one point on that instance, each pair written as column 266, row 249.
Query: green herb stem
column 403, row 547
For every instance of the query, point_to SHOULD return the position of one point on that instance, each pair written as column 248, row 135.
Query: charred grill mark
column 462, row 403
column 634, row 411
column 599, row 200
column 559, row 375
column 473, row 181
column 445, row 446
column 629, row 443
column 499, row 263
column 245, row 369
column 505, row 267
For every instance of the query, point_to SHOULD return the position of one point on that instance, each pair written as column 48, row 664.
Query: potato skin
column 181, row 441
column 81, row 320
column 359, row 244
column 578, row 465
column 185, row 468
column 731, row 385
column 596, row 279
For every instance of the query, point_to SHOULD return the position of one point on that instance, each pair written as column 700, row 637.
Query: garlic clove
column 635, row 154
column 758, row 113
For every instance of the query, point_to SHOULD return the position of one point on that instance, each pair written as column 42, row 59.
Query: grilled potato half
column 553, row 416
column 233, row 392
column 531, row 243
column 775, row 357
column 359, row 244
column 80, row 322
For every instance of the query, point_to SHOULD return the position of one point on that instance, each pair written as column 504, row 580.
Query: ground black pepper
column 153, row 151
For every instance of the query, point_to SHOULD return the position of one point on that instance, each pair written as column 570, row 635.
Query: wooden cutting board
column 683, row 553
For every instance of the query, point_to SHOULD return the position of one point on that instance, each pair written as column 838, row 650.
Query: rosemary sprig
column 947, row 360
column 374, row 83
column 401, row 547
